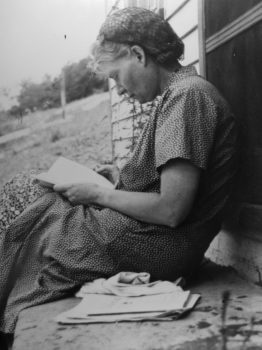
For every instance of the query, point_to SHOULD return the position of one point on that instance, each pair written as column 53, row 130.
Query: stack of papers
column 157, row 301
column 110, row 308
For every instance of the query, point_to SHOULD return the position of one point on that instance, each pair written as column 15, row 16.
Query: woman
column 167, row 205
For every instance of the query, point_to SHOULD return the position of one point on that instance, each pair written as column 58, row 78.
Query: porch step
column 200, row 329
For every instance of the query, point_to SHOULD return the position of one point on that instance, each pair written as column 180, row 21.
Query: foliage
column 41, row 96
column 16, row 111
column 80, row 81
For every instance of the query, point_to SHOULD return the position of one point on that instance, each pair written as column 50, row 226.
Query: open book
column 65, row 171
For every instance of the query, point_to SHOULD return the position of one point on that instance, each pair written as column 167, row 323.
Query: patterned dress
column 48, row 247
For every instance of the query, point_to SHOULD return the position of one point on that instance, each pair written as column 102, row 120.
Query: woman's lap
column 16, row 195
column 60, row 246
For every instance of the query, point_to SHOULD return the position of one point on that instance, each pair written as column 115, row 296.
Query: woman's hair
column 138, row 26
column 109, row 51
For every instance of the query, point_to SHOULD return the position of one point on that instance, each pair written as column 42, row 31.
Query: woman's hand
column 79, row 193
column 179, row 186
column 110, row 172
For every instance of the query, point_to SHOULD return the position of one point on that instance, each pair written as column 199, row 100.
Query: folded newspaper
column 127, row 297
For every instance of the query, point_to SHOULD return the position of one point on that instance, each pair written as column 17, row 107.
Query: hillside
column 84, row 136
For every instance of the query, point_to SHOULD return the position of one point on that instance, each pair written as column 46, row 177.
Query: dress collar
column 180, row 74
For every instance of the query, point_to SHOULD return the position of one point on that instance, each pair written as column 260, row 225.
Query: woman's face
column 133, row 77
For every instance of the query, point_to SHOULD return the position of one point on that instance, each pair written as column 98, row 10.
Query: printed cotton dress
column 49, row 248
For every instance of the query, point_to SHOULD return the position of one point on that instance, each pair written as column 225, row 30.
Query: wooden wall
column 184, row 19
column 233, row 64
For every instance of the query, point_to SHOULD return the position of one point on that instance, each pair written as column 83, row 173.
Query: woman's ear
column 139, row 54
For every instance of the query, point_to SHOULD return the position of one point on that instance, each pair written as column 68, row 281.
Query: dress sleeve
column 185, row 128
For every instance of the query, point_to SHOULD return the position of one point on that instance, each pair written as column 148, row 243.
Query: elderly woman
column 168, row 202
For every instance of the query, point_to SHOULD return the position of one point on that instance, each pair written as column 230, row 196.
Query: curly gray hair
column 138, row 26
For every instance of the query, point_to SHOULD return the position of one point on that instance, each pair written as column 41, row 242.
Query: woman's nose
column 120, row 89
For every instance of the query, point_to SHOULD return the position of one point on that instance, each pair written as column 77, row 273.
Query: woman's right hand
column 109, row 171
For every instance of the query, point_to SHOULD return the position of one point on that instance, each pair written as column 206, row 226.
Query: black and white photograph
column 130, row 174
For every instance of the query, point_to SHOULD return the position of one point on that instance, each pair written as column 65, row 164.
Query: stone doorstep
column 200, row 329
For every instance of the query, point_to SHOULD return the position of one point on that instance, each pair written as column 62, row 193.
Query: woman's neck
column 165, row 75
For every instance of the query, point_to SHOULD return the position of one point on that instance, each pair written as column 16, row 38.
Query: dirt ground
column 84, row 136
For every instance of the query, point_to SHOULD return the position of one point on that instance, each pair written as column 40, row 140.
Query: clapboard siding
column 114, row 95
column 191, row 48
column 170, row 6
column 184, row 20
column 124, row 109
column 178, row 22
column 123, row 149
column 129, row 127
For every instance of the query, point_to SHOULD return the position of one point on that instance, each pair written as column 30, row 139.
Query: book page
column 65, row 171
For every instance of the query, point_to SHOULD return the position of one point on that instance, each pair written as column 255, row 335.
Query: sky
column 39, row 37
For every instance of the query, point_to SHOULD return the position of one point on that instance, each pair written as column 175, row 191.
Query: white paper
column 65, row 171
column 109, row 308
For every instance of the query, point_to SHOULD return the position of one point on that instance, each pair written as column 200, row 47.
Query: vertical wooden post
column 63, row 93
column 202, row 37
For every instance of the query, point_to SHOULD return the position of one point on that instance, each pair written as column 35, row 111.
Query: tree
column 80, row 80
column 39, row 96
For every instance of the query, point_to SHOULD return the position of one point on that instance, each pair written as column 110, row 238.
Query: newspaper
column 160, row 300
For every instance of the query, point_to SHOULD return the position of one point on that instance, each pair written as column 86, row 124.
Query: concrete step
column 200, row 329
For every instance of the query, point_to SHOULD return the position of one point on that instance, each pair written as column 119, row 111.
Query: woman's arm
column 179, row 184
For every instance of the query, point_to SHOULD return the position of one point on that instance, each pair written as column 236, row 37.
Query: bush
column 80, row 81
column 39, row 96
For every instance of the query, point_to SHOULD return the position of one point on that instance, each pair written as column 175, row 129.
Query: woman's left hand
column 79, row 193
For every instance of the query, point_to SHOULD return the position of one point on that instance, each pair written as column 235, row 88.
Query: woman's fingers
column 68, row 192
column 103, row 170
column 109, row 171
column 79, row 193
column 62, row 187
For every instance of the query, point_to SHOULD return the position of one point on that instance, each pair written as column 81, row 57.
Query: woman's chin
column 142, row 99
column 145, row 100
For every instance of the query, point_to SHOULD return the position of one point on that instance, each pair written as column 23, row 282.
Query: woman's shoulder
column 195, row 88
column 190, row 84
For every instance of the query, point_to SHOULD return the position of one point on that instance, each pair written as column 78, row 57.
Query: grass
column 56, row 136
column 84, row 136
